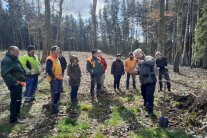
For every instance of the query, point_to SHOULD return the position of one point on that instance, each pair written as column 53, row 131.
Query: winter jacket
column 12, row 70
column 117, row 68
column 93, row 66
column 103, row 64
column 74, row 73
column 146, row 71
column 31, row 64
column 63, row 63
column 161, row 63
column 130, row 65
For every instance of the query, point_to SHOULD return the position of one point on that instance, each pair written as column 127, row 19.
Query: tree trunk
column 47, row 31
column 179, row 37
column 58, row 36
column 93, row 27
column 174, row 37
column 161, row 27
column 184, row 59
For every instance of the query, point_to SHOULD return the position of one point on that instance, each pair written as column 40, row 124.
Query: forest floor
column 116, row 114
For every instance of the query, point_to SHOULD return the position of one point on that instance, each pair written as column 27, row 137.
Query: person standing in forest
column 63, row 62
column 117, row 70
column 74, row 73
column 54, row 76
column 161, row 64
column 130, row 65
column 147, row 79
column 31, row 65
column 14, row 76
column 93, row 66
column 104, row 67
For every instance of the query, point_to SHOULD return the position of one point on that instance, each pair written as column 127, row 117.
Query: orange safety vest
column 92, row 62
column 56, row 68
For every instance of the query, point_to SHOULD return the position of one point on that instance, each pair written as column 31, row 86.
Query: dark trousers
column 74, row 93
column 31, row 88
column 117, row 79
column 148, row 96
column 164, row 73
column 133, row 79
column 15, row 104
column 95, row 80
column 55, row 87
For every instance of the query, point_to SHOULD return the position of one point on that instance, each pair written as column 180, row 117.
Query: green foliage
column 200, row 45
column 71, row 127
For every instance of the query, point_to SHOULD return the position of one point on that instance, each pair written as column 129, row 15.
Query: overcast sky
column 82, row 6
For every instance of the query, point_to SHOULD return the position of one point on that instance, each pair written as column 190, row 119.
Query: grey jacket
column 146, row 71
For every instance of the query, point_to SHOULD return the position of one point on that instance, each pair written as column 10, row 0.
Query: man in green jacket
column 93, row 66
column 31, row 65
column 14, row 76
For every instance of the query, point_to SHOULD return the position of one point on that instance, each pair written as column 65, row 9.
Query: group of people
column 23, row 71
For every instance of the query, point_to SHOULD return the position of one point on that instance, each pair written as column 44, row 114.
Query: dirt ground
column 116, row 114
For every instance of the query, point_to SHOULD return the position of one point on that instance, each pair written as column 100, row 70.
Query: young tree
column 47, row 43
column 179, row 6
column 93, row 27
column 161, row 27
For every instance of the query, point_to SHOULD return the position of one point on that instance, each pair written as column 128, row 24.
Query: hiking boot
column 149, row 115
column 18, row 121
column 56, row 111
column 26, row 103
column 92, row 99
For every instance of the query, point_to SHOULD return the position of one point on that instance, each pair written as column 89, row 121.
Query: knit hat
column 131, row 54
column 118, row 55
column 94, row 51
column 72, row 58
column 99, row 51
column 30, row 47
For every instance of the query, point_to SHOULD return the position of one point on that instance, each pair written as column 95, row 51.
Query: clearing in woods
column 116, row 114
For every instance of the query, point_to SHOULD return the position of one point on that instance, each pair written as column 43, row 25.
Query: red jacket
column 103, row 64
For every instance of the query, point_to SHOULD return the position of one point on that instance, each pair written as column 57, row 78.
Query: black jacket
column 117, row 68
column 63, row 63
column 161, row 63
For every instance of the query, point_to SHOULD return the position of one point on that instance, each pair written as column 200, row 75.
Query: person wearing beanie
column 130, row 64
column 74, row 73
column 104, row 67
column 93, row 66
column 31, row 65
column 117, row 70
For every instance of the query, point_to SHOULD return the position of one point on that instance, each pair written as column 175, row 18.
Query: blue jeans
column 55, row 88
column 133, row 79
column 74, row 93
column 31, row 88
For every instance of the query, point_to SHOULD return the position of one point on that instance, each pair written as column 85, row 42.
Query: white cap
column 99, row 51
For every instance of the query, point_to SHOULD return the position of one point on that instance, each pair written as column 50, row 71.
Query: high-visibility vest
column 56, row 68
column 92, row 62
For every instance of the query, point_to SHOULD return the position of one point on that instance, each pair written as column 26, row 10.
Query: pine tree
column 200, row 46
